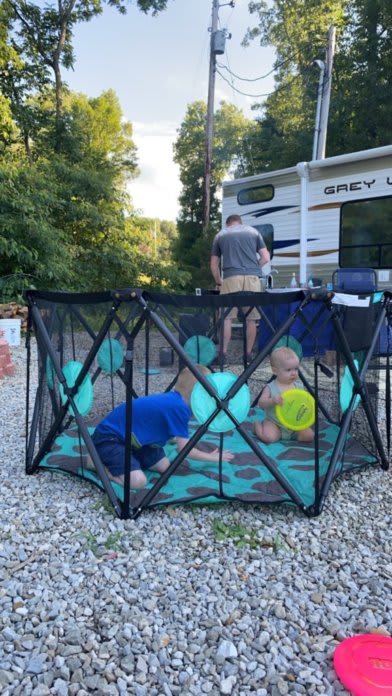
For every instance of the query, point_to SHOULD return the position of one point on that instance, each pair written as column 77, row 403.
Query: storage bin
column 10, row 331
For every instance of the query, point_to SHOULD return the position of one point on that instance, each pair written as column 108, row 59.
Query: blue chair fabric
column 354, row 280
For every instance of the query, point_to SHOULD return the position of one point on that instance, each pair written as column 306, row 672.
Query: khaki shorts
column 241, row 283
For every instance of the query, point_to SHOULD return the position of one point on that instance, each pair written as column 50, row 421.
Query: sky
column 158, row 66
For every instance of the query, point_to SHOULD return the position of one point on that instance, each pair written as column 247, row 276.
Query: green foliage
column 91, row 542
column 298, row 31
column 241, row 535
column 362, row 113
column 193, row 249
column 360, row 110
column 154, row 238
column 52, row 214
column 8, row 130
column 112, row 543
column 121, row 264
column 97, row 130
column 13, row 285
column 10, row 76
column 154, row 5
column 189, row 150
column 30, row 242
column 167, row 236
column 231, row 129
column 104, row 504
column 65, row 213
column 42, row 43
column 62, row 217
column 244, row 536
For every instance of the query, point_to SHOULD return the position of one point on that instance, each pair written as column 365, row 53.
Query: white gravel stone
column 172, row 611
column 227, row 649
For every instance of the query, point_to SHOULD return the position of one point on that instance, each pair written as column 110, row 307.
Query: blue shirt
column 155, row 419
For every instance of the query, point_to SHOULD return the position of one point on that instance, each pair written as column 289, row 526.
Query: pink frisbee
column 364, row 664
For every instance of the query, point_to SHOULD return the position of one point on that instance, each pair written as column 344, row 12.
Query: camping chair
column 354, row 280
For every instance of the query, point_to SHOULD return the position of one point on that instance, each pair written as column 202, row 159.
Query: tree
column 298, row 31
column 153, row 237
column 231, row 132
column 64, row 205
column 65, row 217
column 363, row 114
column 168, row 234
column 64, row 209
column 30, row 242
column 99, row 160
column 8, row 57
column 8, row 129
column 42, row 38
column 63, row 223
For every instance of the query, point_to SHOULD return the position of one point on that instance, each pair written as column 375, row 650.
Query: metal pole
column 210, row 119
column 326, row 94
column 316, row 136
column 303, row 173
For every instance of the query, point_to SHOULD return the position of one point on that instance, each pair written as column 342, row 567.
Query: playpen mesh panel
column 243, row 478
column 72, row 330
column 120, row 337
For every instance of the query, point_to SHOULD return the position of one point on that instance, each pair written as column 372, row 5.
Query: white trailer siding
column 282, row 212
column 330, row 183
column 329, row 189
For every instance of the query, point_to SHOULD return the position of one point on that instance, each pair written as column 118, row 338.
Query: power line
column 266, row 94
column 246, row 141
column 262, row 77
column 246, row 79
column 245, row 94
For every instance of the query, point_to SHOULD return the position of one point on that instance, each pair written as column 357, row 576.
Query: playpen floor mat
column 245, row 477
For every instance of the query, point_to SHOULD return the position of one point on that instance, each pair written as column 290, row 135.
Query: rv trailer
column 321, row 215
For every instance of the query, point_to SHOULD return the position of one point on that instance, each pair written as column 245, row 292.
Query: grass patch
column 105, row 504
column 112, row 543
column 244, row 536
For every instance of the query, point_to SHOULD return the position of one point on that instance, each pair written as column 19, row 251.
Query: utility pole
column 210, row 118
column 322, row 139
column 321, row 65
column 155, row 238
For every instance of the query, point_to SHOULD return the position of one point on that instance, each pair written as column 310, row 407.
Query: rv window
column 257, row 194
column 267, row 233
column 366, row 233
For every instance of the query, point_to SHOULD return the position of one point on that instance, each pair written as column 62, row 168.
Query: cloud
column 156, row 190
column 161, row 128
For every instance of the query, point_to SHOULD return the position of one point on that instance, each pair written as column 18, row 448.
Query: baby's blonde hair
column 279, row 356
column 187, row 380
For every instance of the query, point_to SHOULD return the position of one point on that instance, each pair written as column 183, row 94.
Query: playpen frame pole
column 359, row 389
column 70, row 401
column 128, row 426
column 222, row 405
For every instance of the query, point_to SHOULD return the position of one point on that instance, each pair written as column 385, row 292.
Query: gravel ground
column 223, row 599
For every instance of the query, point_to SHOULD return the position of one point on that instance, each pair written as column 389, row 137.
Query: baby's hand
column 278, row 399
column 226, row 455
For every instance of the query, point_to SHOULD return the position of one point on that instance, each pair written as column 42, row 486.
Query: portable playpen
column 97, row 350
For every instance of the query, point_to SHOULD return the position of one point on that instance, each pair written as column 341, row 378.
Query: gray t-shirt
column 239, row 246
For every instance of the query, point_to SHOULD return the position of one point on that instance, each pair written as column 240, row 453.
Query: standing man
column 244, row 253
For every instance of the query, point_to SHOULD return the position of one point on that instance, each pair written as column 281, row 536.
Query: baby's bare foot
column 116, row 479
